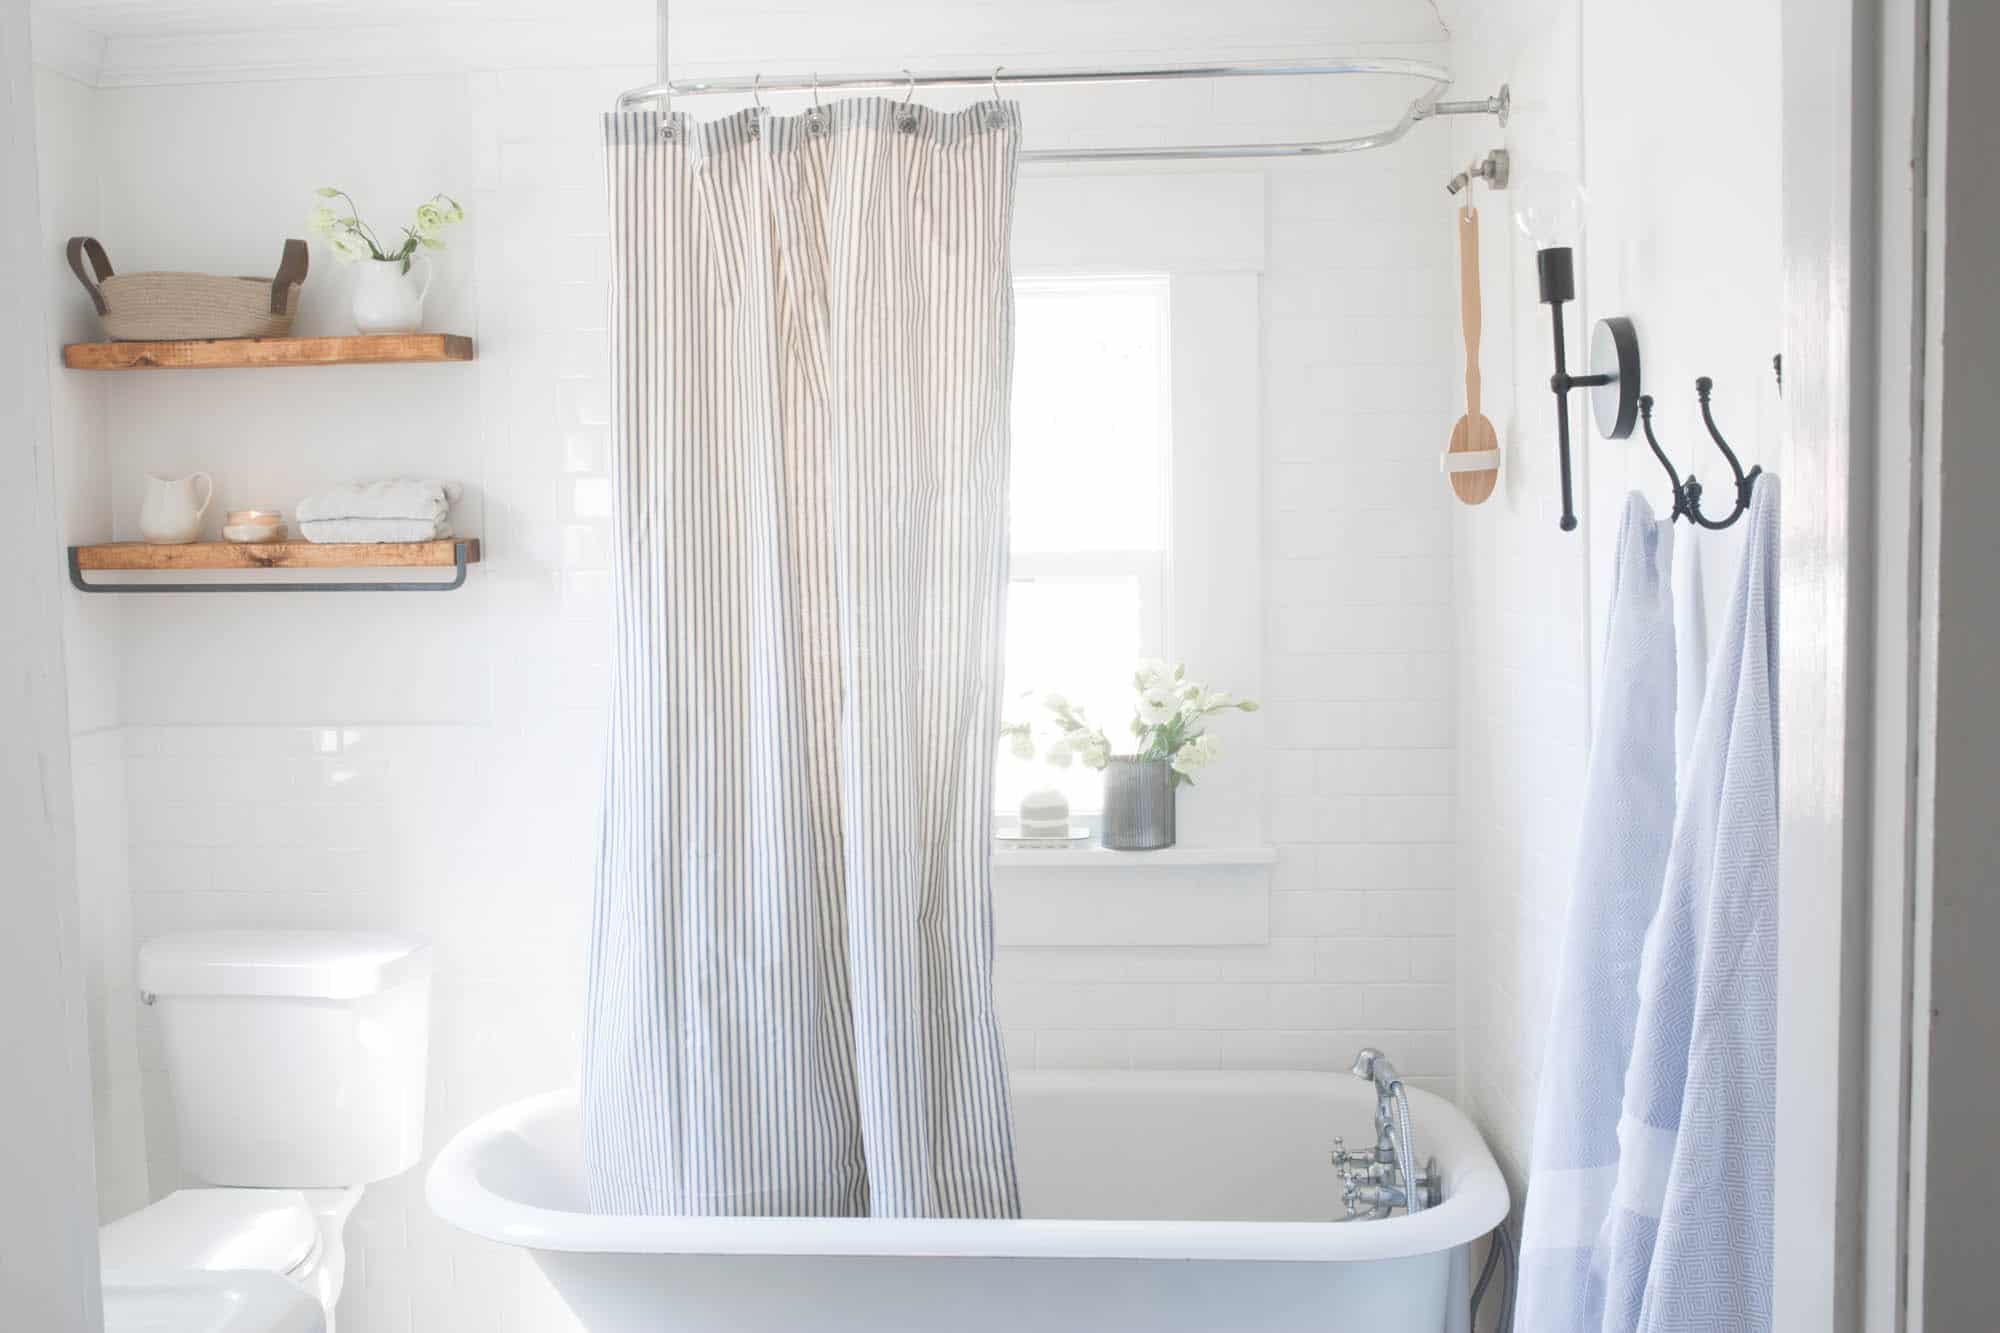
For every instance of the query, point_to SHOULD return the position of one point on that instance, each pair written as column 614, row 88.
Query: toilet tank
column 295, row 1058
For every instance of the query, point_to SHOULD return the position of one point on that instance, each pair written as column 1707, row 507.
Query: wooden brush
column 1474, row 433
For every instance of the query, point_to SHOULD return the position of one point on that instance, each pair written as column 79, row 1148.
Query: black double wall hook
column 1673, row 477
column 1688, row 492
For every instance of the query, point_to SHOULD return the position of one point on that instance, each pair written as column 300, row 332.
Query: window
column 1092, row 473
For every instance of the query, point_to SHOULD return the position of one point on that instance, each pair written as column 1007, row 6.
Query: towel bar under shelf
column 449, row 553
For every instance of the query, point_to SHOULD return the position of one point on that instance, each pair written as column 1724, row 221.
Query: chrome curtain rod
column 1424, row 106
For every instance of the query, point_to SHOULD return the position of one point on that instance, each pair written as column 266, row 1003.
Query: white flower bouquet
column 352, row 239
column 1169, row 723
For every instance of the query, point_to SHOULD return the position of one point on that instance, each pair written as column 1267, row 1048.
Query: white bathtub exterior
column 1161, row 1202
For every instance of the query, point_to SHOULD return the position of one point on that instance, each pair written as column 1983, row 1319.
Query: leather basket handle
column 291, row 273
column 79, row 246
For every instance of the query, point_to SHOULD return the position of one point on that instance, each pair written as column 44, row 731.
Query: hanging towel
column 1689, row 1242
column 402, row 498
column 1628, row 811
column 1690, row 647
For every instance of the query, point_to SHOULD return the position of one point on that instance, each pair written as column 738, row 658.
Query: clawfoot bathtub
column 1156, row 1202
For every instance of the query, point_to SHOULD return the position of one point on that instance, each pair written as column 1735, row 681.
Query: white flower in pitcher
column 320, row 221
column 432, row 218
column 1152, row 673
column 351, row 245
column 1216, row 699
column 1061, row 753
column 1094, row 752
column 1021, row 744
column 1055, row 702
column 1158, row 705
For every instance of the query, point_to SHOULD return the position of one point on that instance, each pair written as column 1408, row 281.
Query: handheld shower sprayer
column 1395, row 1144
column 1371, row 1064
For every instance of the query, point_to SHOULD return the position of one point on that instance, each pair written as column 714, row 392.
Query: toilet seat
column 214, row 1230
column 212, row 1302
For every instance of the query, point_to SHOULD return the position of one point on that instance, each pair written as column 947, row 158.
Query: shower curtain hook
column 996, row 81
column 911, row 91
column 1465, row 205
column 815, row 90
column 756, row 83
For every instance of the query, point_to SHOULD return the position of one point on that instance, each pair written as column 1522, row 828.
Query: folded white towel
column 399, row 497
column 375, row 529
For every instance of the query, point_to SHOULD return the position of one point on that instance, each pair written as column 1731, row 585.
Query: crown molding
column 67, row 47
column 362, row 51
column 721, row 35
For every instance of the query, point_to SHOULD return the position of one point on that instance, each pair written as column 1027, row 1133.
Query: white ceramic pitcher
column 388, row 300
column 169, row 516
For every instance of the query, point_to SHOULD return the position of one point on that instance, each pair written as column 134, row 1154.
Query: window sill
column 1087, row 897
column 1100, row 858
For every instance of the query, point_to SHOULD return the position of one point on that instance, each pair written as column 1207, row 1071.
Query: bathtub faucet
column 1378, row 1180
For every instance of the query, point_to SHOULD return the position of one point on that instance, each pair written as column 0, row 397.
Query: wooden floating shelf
column 223, row 353
column 277, row 555
column 449, row 553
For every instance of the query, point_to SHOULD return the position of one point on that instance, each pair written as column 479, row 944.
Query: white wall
column 48, row 1241
column 429, row 763
column 66, row 122
column 1682, row 235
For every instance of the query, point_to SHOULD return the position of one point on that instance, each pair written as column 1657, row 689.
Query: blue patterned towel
column 1689, row 1242
column 1628, row 813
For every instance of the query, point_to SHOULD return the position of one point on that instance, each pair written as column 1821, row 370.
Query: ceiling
column 1290, row 22
column 141, row 18
column 109, row 43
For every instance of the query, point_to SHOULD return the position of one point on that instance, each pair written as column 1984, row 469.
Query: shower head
column 1374, row 1066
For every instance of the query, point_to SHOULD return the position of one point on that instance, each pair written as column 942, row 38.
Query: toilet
column 295, row 1060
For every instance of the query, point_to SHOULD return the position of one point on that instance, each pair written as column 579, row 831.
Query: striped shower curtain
column 790, row 991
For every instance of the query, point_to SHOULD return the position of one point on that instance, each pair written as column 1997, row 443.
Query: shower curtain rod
column 1426, row 104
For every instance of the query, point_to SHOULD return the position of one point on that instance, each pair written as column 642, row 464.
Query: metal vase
column 1138, row 805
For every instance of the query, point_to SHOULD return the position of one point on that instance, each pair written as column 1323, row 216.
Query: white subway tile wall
column 1529, row 598
column 1359, row 675
column 430, row 764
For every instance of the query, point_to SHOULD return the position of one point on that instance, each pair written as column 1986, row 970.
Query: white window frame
column 1151, row 570
column 1205, row 231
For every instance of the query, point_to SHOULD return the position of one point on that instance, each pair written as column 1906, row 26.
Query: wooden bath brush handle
column 1468, row 302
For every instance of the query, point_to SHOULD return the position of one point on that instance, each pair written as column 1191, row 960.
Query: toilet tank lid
column 308, row 964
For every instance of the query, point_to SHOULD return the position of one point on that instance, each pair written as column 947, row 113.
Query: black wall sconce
column 1614, row 369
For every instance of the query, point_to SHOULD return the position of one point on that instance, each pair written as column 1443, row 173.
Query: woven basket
column 166, row 307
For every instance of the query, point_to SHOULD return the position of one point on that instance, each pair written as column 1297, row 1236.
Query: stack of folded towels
column 399, row 510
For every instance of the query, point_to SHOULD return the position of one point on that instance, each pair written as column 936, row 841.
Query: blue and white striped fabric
column 1690, row 646
column 1627, row 822
column 1689, row 1245
column 790, row 993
